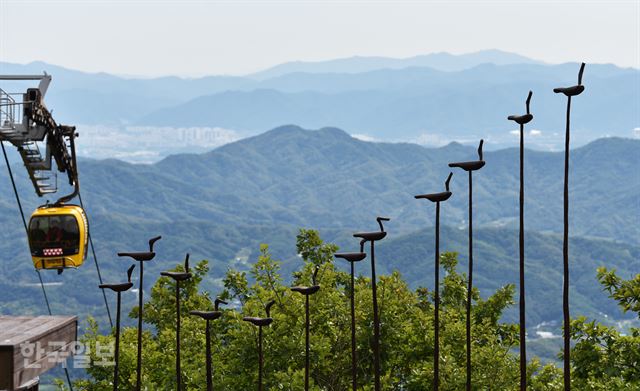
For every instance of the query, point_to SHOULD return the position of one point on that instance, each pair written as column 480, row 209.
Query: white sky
column 194, row 38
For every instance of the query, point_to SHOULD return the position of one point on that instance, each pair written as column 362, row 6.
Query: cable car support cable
column 24, row 223
column 95, row 259
column 23, row 128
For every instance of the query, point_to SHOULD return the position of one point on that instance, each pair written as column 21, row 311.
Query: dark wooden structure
column 30, row 346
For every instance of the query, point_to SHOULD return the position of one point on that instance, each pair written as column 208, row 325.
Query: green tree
column 602, row 358
column 406, row 330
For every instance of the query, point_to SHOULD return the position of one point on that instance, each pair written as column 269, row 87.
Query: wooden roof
column 20, row 335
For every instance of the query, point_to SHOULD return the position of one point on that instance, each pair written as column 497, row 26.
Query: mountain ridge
column 415, row 104
column 439, row 60
column 431, row 111
column 222, row 204
column 329, row 179
column 495, row 56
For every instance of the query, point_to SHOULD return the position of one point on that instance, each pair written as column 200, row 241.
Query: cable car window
column 54, row 235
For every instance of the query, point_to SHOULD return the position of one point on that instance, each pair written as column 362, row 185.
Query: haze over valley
column 429, row 100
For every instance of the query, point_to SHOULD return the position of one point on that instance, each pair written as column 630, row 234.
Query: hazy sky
column 193, row 38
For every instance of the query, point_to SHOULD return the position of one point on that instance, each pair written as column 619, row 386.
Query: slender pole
column 376, row 320
column 117, row 354
column 523, row 325
column 565, row 258
column 569, row 92
column 436, row 319
column 354, row 384
column 470, row 282
column 140, row 310
column 178, row 374
column 208, row 358
column 260, row 358
column 306, row 360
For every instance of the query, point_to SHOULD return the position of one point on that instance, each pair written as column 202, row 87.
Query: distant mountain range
column 427, row 106
column 439, row 61
column 222, row 204
column 432, row 99
column 327, row 179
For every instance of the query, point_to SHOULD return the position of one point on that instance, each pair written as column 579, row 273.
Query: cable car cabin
column 58, row 237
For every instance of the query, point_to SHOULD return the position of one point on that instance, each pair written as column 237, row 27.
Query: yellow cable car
column 58, row 237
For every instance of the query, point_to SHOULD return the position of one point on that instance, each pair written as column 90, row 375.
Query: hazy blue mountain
column 327, row 179
column 406, row 79
column 427, row 106
column 169, row 87
column 101, row 98
column 441, row 61
column 419, row 104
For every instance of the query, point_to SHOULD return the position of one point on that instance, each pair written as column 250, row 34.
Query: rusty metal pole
column 307, row 291
column 568, row 92
column 376, row 321
column 352, row 258
column 437, row 198
column 373, row 237
column 522, row 120
column 470, row 166
column 118, row 288
column 209, row 316
column 354, row 357
column 207, row 359
column 260, row 322
column 177, row 277
column 178, row 374
column 307, row 343
column 141, row 257
column 260, row 359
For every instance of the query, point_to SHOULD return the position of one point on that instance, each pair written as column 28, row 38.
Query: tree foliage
column 407, row 332
column 602, row 358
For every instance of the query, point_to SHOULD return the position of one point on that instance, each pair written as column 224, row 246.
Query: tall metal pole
column 352, row 258
column 209, row 316
column 470, row 282
column 140, row 312
column 117, row 353
column 376, row 320
column 260, row 362
column 177, row 277
column 260, row 322
column 437, row 198
column 569, row 92
column 470, row 167
column 178, row 372
column 565, row 262
column 523, row 323
column 118, row 288
column 436, row 318
column 354, row 370
column 373, row 237
column 307, row 291
column 306, row 356
column 207, row 334
column 141, row 258
column 522, row 120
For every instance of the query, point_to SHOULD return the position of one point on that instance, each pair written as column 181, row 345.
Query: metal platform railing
column 25, row 122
